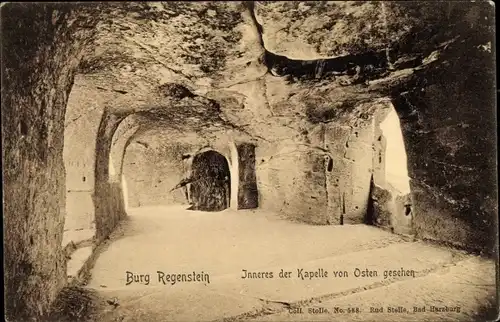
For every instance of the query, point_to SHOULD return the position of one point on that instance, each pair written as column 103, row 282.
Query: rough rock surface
column 164, row 170
column 270, row 74
column 41, row 49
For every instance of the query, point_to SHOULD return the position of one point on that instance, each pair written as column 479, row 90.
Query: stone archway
column 210, row 189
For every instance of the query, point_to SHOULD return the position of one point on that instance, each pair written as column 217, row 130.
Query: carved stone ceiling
column 235, row 63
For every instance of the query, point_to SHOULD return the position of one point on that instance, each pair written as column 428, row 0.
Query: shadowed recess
column 210, row 189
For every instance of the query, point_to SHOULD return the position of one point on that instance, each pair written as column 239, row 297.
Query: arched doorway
column 210, row 189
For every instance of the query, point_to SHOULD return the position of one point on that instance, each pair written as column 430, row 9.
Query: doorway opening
column 396, row 169
column 210, row 189
column 388, row 205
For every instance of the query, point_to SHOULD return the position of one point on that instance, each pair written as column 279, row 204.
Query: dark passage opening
column 211, row 186
column 370, row 212
column 330, row 165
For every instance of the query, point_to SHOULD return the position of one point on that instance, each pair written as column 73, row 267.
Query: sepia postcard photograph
column 233, row 161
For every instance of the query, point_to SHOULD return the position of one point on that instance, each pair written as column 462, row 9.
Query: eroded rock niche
column 210, row 189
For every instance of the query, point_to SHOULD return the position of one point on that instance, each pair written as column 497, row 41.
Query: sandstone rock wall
column 349, row 179
column 330, row 174
column 287, row 85
column 108, row 196
column 248, row 194
column 291, row 182
column 451, row 160
column 39, row 56
column 448, row 120
column 83, row 115
column 123, row 137
column 152, row 171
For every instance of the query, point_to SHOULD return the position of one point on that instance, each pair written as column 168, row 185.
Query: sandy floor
column 221, row 245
